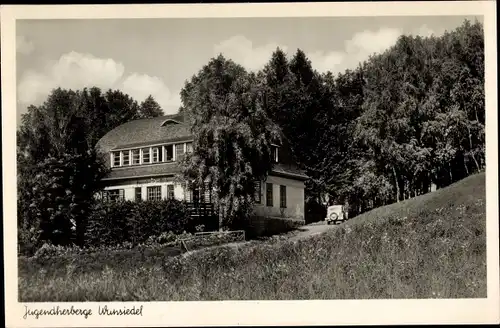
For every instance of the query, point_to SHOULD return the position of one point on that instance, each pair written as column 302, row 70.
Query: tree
column 59, row 169
column 294, row 98
column 232, row 136
column 121, row 108
column 150, row 108
column 423, row 110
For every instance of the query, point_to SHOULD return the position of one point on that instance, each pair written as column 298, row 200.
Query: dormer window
column 116, row 158
column 169, row 122
column 154, row 154
column 136, row 157
column 274, row 153
column 169, row 153
column 126, row 157
column 145, row 155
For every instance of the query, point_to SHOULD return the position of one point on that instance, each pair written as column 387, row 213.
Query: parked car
column 336, row 214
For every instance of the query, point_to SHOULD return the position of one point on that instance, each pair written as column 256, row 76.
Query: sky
column 156, row 56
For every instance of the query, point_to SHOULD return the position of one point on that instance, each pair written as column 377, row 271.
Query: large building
column 144, row 159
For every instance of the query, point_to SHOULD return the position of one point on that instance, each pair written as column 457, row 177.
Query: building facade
column 144, row 159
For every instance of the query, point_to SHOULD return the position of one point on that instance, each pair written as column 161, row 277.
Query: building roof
column 146, row 132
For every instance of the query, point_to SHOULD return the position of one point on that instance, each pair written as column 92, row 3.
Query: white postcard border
column 347, row 312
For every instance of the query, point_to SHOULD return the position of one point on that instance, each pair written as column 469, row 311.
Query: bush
column 315, row 211
column 258, row 226
column 112, row 223
column 28, row 240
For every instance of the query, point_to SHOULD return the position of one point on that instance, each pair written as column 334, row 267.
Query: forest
column 404, row 120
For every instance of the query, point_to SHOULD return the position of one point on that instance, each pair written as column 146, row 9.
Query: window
column 145, row 155
column 269, row 194
column 126, row 157
column 257, row 195
column 179, row 151
column 169, row 153
column 282, row 196
column 136, row 157
column 156, row 155
column 195, row 190
column 114, row 195
column 170, row 191
column 154, row 193
column 138, row 194
column 116, row 158
column 189, row 147
column 187, row 192
column 206, row 193
column 274, row 154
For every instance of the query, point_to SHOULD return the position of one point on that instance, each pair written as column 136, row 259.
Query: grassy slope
column 430, row 246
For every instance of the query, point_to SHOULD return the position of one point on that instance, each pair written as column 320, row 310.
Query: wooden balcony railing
column 201, row 209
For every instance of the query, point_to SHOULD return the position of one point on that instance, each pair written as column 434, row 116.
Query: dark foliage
column 59, row 168
column 112, row 223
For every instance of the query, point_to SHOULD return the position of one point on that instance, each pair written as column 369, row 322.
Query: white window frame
column 164, row 148
column 123, row 157
column 120, row 196
column 149, row 188
column 132, row 156
column 142, row 155
column 171, row 185
column 152, row 153
column 113, row 157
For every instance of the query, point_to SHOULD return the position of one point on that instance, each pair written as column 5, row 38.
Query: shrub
column 257, row 226
column 28, row 240
column 314, row 211
column 112, row 223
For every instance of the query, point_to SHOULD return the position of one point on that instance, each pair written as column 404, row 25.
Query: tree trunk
column 396, row 183
column 466, row 168
column 221, row 218
column 450, row 173
column 471, row 152
column 401, row 189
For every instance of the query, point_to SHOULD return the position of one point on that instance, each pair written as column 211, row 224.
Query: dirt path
column 311, row 230
column 303, row 232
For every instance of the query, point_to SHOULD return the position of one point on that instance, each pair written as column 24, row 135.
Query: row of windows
column 152, row 193
column 196, row 195
column 269, row 194
column 159, row 154
column 150, row 155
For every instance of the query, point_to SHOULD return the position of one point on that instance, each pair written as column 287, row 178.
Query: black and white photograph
column 305, row 159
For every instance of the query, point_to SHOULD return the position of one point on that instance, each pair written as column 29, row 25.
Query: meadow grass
column 432, row 246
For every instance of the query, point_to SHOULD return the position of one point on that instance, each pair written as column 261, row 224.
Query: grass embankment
column 430, row 246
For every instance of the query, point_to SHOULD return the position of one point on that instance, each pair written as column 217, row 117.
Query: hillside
column 432, row 246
